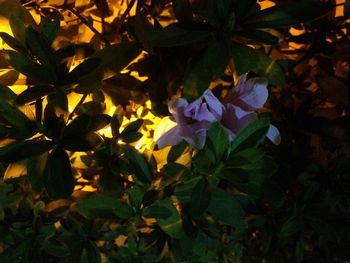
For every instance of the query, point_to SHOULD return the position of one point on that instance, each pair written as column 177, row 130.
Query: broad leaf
column 176, row 151
column 174, row 35
column 58, row 175
column 217, row 140
column 200, row 197
column 81, row 142
column 49, row 28
column 226, row 208
column 252, row 135
column 248, row 59
column 289, row 13
column 157, row 210
column 25, row 149
column 104, row 206
column 139, row 165
column 211, row 65
column 33, row 93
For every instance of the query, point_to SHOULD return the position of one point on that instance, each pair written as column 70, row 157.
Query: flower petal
column 253, row 95
column 171, row 137
column 274, row 135
column 163, row 127
column 214, row 105
column 176, row 109
column 235, row 119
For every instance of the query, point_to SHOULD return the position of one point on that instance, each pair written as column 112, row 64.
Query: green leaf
column 118, row 56
column 20, row 150
column 27, row 67
column 35, row 171
column 85, row 124
column 226, row 208
column 6, row 94
column 82, row 70
column 248, row 59
column 58, row 175
column 174, row 35
column 289, row 13
column 49, row 28
column 290, row 227
column 182, row 10
column 156, row 210
column 81, row 142
column 200, row 197
column 131, row 137
column 41, row 49
column 12, row 42
column 33, row 93
column 211, row 65
column 18, row 29
column 102, row 205
column 247, row 170
column 172, row 225
column 217, row 140
column 252, row 135
column 5, row 199
column 259, row 36
column 176, row 151
column 139, row 165
column 132, row 127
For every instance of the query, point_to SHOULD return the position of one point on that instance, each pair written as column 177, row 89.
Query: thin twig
column 85, row 22
column 125, row 14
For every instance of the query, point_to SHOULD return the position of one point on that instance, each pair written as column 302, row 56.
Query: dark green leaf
column 226, row 208
column 131, row 137
column 6, row 94
column 182, row 10
column 27, row 67
column 172, row 225
column 18, row 29
column 259, row 36
column 211, row 65
column 85, row 124
column 157, row 211
column 200, row 197
column 217, row 140
column 174, row 35
column 252, row 135
column 132, row 127
column 118, row 56
column 101, row 205
column 247, row 170
column 35, row 171
column 139, row 165
column 82, row 70
column 289, row 13
column 41, row 49
column 25, row 149
column 248, row 59
column 81, row 142
column 49, row 28
column 58, row 174
column 290, row 227
column 33, row 93
column 12, row 42
column 176, row 151
column 5, row 199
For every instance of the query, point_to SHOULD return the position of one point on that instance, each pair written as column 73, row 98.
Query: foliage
column 74, row 187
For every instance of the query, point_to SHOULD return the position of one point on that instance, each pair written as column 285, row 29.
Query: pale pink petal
column 274, row 135
column 163, row 126
column 214, row 105
column 176, row 108
column 203, row 114
column 194, row 137
column 235, row 119
column 255, row 96
column 171, row 137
